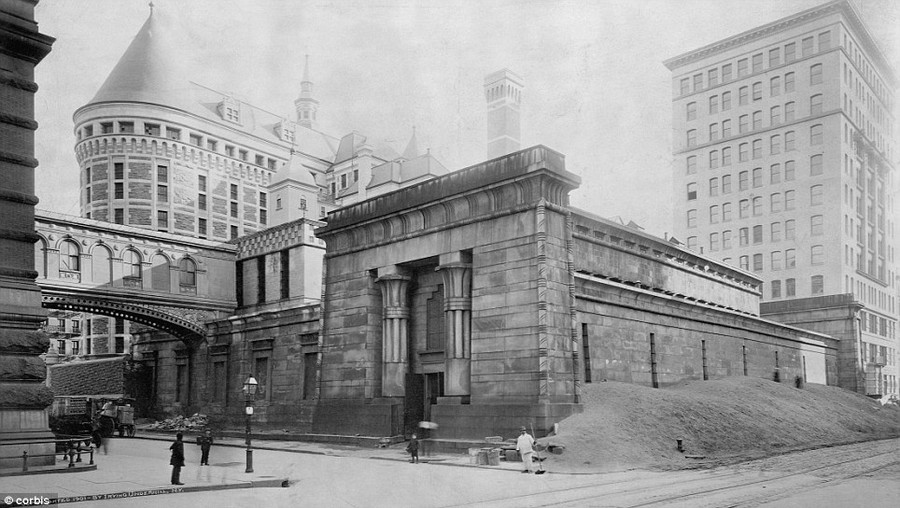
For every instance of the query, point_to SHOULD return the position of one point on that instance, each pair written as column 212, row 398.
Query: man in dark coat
column 205, row 441
column 177, row 460
column 413, row 449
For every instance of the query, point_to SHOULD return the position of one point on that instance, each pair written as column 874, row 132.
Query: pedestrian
column 97, row 438
column 177, row 460
column 413, row 449
column 107, row 418
column 205, row 441
column 525, row 447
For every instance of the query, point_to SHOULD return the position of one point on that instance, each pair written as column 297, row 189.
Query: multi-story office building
column 784, row 150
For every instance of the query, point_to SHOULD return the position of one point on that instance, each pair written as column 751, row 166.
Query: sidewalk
column 139, row 467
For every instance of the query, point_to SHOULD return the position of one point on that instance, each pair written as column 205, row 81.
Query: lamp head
column 250, row 386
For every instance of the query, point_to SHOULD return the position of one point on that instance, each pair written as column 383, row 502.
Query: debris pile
column 195, row 422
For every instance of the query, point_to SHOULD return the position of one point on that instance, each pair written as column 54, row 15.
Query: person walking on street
column 525, row 447
column 177, row 461
column 205, row 441
column 413, row 449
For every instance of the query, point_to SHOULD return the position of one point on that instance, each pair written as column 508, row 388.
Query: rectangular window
column 743, row 123
column 757, row 91
column 713, row 131
column 119, row 192
column 743, row 67
column 757, row 62
column 806, row 46
column 714, row 214
column 776, row 288
column 775, row 86
column 162, row 173
column 774, row 57
column 726, row 73
column 757, row 177
column 234, row 209
column 815, row 104
column 824, row 41
column 817, row 283
column 726, row 184
column 775, row 144
column 744, row 208
column 790, row 52
column 698, row 82
column 201, row 201
column 271, row 164
column 173, row 133
column 691, row 168
column 285, row 274
column 685, row 86
column 126, row 127
column 234, row 192
column 162, row 220
column 789, row 82
column 743, row 95
column 211, row 145
column 757, row 120
column 726, row 211
column 775, row 115
column 815, row 74
column 726, row 156
column 713, row 104
column 234, row 232
column 263, row 216
column 261, row 279
column 713, row 159
column 118, row 170
column 726, row 128
column 789, row 229
column 195, row 139
column 743, row 151
column 789, row 200
column 789, row 141
column 243, row 155
column 201, row 227
column 151, row 129
column 726, row 101
column 691, row 141
column 757, row 234
column 201, row 183
column 712, row 77
column 119, row 214
column 713, row 186
column 726, row 239
column 775, row 202
column 263, row 200
column 162, row 193
column 692, row 218
column 229, row 150
column 790, row 287
column 106, row 128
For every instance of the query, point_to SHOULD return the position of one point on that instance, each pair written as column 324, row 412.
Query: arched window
column 101, row 265
column 69, row 256
column 131, row 264
column 159, row 274
column 188, row 275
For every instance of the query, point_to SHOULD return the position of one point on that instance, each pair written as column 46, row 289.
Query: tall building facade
column 784, row 150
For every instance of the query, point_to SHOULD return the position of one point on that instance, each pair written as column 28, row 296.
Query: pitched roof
column 293, row 170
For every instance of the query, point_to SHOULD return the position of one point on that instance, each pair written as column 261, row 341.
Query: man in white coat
column 525, row 447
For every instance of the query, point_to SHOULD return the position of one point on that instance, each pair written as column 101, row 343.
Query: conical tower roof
column 152, row 69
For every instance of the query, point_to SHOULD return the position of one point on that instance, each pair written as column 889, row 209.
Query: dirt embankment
column 625, row 426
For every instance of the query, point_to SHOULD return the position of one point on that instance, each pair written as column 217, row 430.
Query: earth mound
column 626, row 426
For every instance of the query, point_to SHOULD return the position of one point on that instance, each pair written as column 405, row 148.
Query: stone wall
column 92, row 377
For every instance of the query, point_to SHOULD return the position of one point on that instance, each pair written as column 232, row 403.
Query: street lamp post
column 250, row 386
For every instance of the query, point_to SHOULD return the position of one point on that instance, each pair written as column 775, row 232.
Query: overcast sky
column 595, row 86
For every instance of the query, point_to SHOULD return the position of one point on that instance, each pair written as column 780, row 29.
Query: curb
column 260, row 483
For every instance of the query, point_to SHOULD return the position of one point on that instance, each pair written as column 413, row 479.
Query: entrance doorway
column 434, row 388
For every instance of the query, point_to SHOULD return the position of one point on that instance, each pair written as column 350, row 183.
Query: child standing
column 205, row 441
column 413, row 449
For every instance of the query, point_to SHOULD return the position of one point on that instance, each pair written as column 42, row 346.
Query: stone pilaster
column 23, row 394
column 457, row 276
column 395, row 330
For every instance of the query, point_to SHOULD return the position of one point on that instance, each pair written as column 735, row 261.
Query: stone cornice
column 555, row 183
column 20, row 42
column 838, row 6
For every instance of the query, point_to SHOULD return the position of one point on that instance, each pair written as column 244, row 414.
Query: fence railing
column 73, row 450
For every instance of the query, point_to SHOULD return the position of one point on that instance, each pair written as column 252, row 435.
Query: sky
column 596, row 89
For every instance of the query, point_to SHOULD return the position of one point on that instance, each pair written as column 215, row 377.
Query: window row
column 754, row 64
column 754, row 122
column 175, row 134
column 132, row 263
column 746, row 236
column 723, row 185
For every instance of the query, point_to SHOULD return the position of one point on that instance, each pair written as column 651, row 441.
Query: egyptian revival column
column 23, row 395
column 395, row 325
column 456, row 270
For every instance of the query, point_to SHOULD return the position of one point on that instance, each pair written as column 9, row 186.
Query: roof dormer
column 230, row 110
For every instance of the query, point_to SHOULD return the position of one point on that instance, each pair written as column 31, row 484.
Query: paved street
column 320, row 475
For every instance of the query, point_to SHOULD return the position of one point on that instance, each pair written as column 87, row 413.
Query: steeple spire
column 305, row 104
column 412, row 148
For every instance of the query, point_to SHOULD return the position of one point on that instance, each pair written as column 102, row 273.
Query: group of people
column 524, row 445
column 177, row 461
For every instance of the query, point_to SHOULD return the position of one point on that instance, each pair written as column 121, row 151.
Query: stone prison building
column 479, row 300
